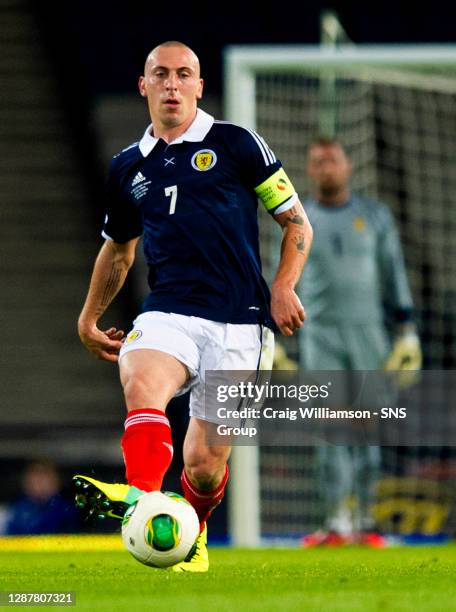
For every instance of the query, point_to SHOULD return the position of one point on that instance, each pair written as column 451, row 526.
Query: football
column 160, row 529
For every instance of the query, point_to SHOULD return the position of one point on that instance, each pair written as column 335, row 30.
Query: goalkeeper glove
column 405, row 357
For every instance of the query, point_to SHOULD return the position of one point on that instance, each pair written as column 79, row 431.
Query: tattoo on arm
column 294, row 216
column 300, row 243
column 296, row 219
column 112, row 285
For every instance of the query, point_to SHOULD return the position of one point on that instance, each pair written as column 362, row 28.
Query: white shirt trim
column 197, row 132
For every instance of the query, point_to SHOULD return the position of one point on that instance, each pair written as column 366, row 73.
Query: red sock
column 204, row 502
column 147, row 448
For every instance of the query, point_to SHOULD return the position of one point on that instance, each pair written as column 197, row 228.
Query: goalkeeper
column 355, row 281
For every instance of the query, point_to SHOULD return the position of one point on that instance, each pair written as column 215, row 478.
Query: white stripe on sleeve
column 266, row 157
column 271, row 155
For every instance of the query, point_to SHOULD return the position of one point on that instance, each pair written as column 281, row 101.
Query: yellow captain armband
column 275, row 190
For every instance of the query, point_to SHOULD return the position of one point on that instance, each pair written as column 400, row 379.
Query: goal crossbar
column 243, row 63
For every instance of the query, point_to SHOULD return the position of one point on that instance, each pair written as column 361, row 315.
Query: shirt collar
column 197, row 131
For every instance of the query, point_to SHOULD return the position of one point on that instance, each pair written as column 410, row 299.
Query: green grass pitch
column 418, row 579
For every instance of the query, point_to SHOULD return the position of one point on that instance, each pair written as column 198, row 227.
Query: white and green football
column 160, row 529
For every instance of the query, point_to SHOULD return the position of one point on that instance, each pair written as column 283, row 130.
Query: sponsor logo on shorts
column 203, row 160
column 133, row 335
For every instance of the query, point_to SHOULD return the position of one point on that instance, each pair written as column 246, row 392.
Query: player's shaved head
column 193, row 58
column 172, row 86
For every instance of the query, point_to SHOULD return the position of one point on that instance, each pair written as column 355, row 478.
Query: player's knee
column 145, row 391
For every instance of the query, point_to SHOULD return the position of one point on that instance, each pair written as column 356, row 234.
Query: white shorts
column 202, row 345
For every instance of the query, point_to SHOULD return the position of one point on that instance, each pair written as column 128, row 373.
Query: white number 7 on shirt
column 172, row 191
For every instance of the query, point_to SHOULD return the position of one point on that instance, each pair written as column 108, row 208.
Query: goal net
column 394, row 108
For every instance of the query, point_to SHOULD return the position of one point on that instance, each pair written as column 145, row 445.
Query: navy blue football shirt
column 194, row 201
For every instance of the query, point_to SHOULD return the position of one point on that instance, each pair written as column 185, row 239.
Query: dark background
column 111, row 39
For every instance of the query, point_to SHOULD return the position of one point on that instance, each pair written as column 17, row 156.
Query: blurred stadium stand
column 49, row 209
column 58, row 401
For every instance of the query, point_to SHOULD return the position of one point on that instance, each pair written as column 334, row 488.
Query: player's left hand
column 286, row 309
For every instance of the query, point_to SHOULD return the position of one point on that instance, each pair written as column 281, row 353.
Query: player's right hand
column 103, row 344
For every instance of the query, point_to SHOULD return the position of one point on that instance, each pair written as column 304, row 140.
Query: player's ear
column 199, row 91
column 142, row 86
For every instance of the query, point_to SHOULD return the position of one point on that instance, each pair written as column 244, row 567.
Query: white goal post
column 242, row 64
column 427, row 68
